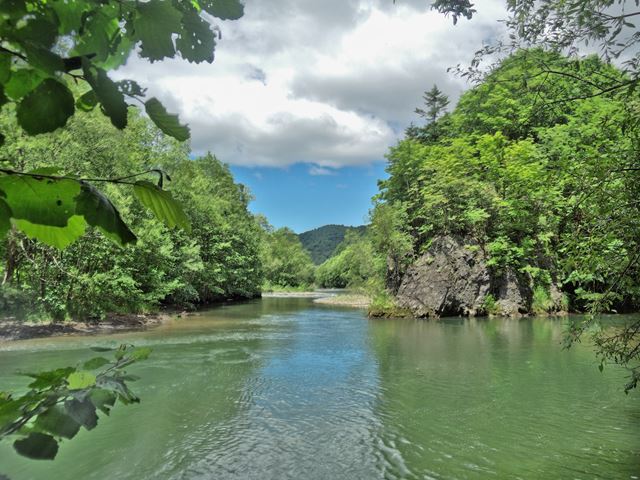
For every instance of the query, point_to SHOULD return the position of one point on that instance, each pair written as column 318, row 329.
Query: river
column 285, row 389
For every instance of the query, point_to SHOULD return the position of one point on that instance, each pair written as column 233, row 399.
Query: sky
column 304, row 98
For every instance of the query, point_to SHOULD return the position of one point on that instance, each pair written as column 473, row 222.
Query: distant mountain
column 321, row 242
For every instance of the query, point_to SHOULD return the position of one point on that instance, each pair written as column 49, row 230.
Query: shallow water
column 283, row 388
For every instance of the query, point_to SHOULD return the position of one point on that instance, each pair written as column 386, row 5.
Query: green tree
column 46, row 45
column 285, row 262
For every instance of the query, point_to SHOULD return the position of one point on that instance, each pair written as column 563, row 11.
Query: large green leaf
column 155, row 24
column 99, row 212
column 162, row 204
column 166, row 122
column 196, row 41
column 56, row 421
column 22, row 82
column 224, row 9
column 111, row 98
column 58, row 237
column 46, row 108
column 41, row 200
column 37, row 446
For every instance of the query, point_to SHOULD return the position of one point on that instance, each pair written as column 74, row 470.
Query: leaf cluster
column 59, row 402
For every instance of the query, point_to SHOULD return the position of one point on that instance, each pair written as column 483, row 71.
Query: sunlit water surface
column 282, row 388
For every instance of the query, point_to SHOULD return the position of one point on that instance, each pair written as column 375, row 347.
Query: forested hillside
column 539, row 170
column 536, row 171
column 321, row 242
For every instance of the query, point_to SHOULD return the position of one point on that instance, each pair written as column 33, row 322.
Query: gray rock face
column 450, row 279
column 513, row 294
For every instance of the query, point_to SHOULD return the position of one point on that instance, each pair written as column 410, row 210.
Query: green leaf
column 166, row 122
column 69, row 14
column 101, row 29
column 224, row 9
column 22, row 82
column 44, row 59
column 37, row 31
column 155, row 24
column 50, row 378
column 56, row 422
column 141, row 353
column 83, row 412
column 99, row 212
column 87, row 101
column 58, row 237
column 46, row 108
column 37, row 446
column 103, row 399
column 196, row 41
column 110, row 97
column 5, row 216
column 94, row 363
column 40, row 200
column 162, row 204
column 81, row 379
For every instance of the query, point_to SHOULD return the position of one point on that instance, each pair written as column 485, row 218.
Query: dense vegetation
column 322, row 242
column 93, row 276
column 286, row 264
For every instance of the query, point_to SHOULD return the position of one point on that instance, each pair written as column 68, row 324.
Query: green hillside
column 321, row 242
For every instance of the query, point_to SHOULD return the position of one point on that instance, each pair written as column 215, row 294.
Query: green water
column 280, row 388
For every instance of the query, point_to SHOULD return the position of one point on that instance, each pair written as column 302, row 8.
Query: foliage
column 354, row 265
column 46, row 45
column 61, row 401
column 285, row 262
column 322, row 242
column 490, row 305
column 93, row 277
column 541, row 302
column 545, row 186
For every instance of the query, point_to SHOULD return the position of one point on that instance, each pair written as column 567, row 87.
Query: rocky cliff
column 452, row 278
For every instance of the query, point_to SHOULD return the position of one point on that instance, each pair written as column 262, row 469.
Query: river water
column 285, row 389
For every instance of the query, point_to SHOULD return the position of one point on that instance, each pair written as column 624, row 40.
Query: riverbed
column 282, row 388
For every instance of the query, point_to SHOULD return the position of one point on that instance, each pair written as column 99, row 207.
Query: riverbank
column 13, row 330
column 346, row 300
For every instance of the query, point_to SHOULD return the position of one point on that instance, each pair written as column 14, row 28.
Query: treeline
column 219, row 259
column 538, row 165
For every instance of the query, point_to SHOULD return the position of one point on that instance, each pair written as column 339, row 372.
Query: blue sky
column 303, row 197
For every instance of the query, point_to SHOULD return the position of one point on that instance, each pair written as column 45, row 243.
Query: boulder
column 451, row 278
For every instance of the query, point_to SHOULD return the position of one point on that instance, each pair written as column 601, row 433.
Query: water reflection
column 281, row 388
column 479, row 398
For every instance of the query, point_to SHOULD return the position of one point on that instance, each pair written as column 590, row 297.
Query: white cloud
column 315, row 170
column 326, row 83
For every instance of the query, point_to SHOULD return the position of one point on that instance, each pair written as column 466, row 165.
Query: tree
column 285, row 262
column 571, row 26
column 436, row 103
column 46, row 45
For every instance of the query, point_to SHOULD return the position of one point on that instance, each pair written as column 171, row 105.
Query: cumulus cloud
column 330, row 83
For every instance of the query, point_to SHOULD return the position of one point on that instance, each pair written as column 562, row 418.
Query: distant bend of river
column 285, row 389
